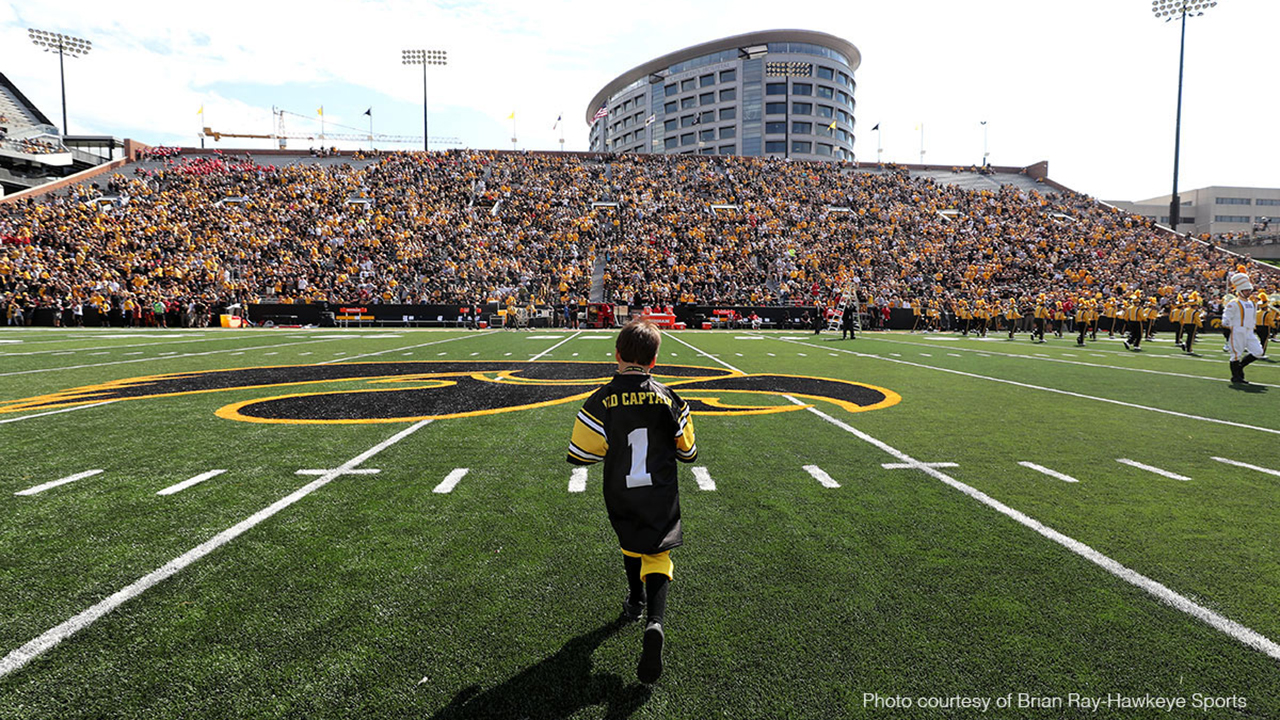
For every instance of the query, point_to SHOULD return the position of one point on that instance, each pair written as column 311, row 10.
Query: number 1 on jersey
column 638, row 441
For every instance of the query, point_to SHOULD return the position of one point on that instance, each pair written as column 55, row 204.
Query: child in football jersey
column 639, row 428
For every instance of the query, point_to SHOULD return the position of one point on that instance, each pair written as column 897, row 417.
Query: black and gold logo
column 410, row 391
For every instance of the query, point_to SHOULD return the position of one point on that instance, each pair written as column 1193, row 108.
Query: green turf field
column 261, row 592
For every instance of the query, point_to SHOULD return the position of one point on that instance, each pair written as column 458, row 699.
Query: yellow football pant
column 649, row 564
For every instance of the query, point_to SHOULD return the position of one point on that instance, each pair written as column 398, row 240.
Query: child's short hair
column 638, row 342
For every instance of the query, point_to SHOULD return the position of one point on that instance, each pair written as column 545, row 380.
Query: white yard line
column 1247, row 465
column 55, row 412
column 68, row 479
column 188, row 483
column 1219, row 622
column 451, row 481
column 578, row 480
column 821, row 476
column 233, row 351
column 1122, row 403
column 1047, row 471
column 553, row 347
column 703, row 477
column 170, row 342
column 916, row 466
column 391, row 350
column 20, row 657
column 1152, row 468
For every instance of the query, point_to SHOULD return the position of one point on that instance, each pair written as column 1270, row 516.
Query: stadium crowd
column 185, row 234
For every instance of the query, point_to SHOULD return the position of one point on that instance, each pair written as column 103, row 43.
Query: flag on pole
column 557, row 123
column 832, row 126
column 201, row 110
column 650, row 120
column 877, row 127
column 369, row 112
column 512, row 116
column 602, row 112
column 320, row 111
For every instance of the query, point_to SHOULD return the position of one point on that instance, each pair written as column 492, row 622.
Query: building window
column 802, row 128
column 1231, row 201
column 826, row 73
column 706, row 80
column 687, row 120
column 726, row 149
column 686, row 139
column 775, row 108
column 775, row 89
column 707, row 151
column 824, row 149
column 728, row 75
column 800, row 146
column 670, row 125
column 728, row 94
column 845, row 80
column 707, row 98
column 1231, row 218
column 707, row 135
column 825, row 92
column 801, row 89
column 728, row 113
column 670, row 107
column 689, row 102
column 775, row 128
column 1265, row 201
column 802, row 108
column 669, row 90
column 842, row 97
column 727, row 132
column 775, row 146
column 686, row 85
column 709, row 116
column 826, row 111
column 670, row 143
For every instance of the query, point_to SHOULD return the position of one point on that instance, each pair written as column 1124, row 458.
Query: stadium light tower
column 424, row 58
column 64, row 45
column 1169, row 9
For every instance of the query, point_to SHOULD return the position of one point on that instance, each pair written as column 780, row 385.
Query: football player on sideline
column 639, row 428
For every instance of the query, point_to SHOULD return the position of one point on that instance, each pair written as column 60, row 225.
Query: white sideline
column 1015, row 383
column 703, row 476
column 578, row 480
column 1047, row 471
column 233, row 351
column 451, row 481
column 553, row 347
column 18, row 658
column 821, row 476
column 1247, row 465
column 1150, row 468
column 49, row 485
column 54, row 412
column 1243, row 634
column 188, row 483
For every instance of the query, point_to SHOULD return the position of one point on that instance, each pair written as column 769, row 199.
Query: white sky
column 1088, row 85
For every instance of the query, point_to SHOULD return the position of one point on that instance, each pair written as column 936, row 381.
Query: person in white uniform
column 1240, row 316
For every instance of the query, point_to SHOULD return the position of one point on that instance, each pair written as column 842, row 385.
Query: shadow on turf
column 1248, row 388
column 557, row 687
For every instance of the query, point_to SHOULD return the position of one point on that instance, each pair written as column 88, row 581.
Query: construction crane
column 283, row 136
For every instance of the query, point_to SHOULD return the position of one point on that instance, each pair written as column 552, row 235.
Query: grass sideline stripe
column 821, row 476
column 1247, row 636
column 55, row 412
column 188, row 483
column 1047, row 471
column 50, row 485
column 578, row 480
column 18, row 658
column 1152, row 468
column 450, row 481
column 1247, row 465
column 703, row 477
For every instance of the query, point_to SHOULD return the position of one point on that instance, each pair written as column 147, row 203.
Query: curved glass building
column 774, row 93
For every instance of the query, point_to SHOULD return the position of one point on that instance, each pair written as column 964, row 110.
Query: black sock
column 1248, row 358
column 634, row 586
column 655, row 585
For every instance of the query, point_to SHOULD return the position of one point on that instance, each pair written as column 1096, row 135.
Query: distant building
column 1215, row 210
column 775, row 93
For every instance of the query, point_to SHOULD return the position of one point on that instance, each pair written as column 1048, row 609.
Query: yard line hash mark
column 450, row 481
column 1247, row 465
column 1151, row 468
column 703, row 477
column 578, row 480
column 916, row 466
column 49, row 485
column 188, row 483
column 18, row 658
column 1047, row 471
column 821, row 476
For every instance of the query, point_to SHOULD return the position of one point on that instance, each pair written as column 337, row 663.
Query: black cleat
column 650, row 667
column 632, row 612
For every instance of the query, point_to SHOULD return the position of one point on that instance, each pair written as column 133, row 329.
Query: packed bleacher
column 475, row 226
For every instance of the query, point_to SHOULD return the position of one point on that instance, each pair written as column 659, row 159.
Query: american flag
column 603, row 111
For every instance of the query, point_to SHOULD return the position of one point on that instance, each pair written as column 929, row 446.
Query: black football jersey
column 640, row 429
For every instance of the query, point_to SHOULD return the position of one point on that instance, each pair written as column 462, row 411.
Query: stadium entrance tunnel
column 411, row 391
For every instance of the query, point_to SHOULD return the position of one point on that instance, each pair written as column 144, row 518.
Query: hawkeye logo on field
column 358, row 393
